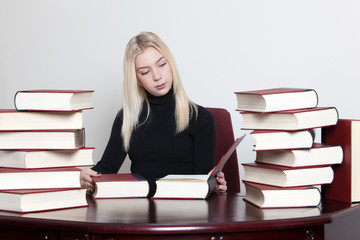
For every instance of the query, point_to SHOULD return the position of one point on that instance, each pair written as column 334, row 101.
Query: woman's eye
column 163, row 64
column 144, row 73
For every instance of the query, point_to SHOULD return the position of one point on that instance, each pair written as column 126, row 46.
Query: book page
column 175, row 177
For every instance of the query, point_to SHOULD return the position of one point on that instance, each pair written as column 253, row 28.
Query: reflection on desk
column 218, row 216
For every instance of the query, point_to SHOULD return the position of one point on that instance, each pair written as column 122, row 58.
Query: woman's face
column 153, row 72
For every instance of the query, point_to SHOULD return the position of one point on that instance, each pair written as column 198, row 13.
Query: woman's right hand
column 86, row 179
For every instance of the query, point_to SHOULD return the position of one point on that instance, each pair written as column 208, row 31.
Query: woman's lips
column 161, row 86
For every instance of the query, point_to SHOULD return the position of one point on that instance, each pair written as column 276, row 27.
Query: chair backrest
column 224, row 140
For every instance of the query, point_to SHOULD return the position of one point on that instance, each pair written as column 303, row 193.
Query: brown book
column 318, row 155
column 285, row 176
column 13, row 120
column 42, row 139
column 13, row 178
column 36, row 200
column 346, row 184
column 121, row 185
column 291, row 120
column 276, row 99
column 277, row 140
column 53, row 100
column 264, row 196
column 30, row 159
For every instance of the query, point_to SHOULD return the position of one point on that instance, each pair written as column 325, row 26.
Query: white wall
column 220, row 47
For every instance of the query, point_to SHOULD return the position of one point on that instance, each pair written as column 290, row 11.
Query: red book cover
column 31, row 191
column 292, row 111
column 45, row 130
column 265, row 187
column 275, row 91
column 56, row 91
column 342, row 134
column 226, row 156
column 275, row 167
column 55, row 169
column 8, row 111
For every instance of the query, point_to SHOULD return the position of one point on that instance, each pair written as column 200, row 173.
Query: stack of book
column 289, row 165
column 42, row 146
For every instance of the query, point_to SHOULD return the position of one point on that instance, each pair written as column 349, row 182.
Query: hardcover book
column 30, row 159
column 291, row 120
column 318, row 155
column 53, row 100
column 12, row 120
column 121, row 185
column 276, row 99
column 277, row 140
column 13, row 178
column 42, row 139
column 36, row 200
column 287, row 177
column 264, row 196
column 346, row 184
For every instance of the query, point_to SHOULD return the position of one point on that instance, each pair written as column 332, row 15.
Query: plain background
column 220, row 47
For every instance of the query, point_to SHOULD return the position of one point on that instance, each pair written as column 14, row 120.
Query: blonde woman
column 159, row 127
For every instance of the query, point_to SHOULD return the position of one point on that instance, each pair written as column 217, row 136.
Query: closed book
column 291, row 120
column 285, row 176
column 42, row 139
column 276, row 140
column 346, row 184
column 29, row 159
column 177, row 186
column 13, row 178
column 121, row 185
column 36, row 200
column 53, row 100
column 276, row 99
column 13, row 120
column 318, row 155
column 264, row 196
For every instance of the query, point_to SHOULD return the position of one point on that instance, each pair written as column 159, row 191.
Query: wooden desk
column 224, row 216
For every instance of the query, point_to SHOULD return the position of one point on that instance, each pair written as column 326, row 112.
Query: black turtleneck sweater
column 156, row 150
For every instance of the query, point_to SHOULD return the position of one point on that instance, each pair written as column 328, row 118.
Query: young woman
column 161, row 130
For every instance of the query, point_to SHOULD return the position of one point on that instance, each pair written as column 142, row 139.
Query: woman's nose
column 156, row 75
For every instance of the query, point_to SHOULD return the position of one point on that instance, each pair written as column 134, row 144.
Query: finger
column 221, row 181
column 220, row 175
column 221, row 188
column 86, row 184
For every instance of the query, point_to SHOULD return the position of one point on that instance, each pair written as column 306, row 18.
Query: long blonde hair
column 134, row 95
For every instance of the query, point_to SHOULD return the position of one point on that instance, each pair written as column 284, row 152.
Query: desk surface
column 219, row 213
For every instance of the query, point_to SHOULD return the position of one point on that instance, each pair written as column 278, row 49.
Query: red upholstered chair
column 224, row 139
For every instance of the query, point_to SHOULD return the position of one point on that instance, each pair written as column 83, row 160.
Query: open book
column 192, row 186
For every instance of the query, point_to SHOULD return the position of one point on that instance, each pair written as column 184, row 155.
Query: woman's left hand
column 220, row 182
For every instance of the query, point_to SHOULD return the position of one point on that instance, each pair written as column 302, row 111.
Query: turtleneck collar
column 168, row 97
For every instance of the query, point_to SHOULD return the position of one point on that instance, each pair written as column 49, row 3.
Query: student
column 159, row 127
